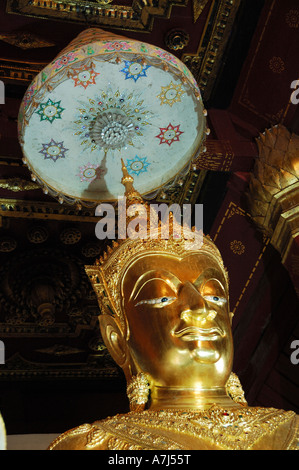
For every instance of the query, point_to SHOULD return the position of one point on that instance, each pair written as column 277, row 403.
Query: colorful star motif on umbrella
column 137, row 165
column 53, row 150
column 90, row 172
column 171, row 94
column 84, row 76
column 50, row 111
column 134, row 70
column 169, row 134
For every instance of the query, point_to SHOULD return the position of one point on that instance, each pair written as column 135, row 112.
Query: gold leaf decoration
column 198, row 7
column 25, row 40
column 18, row 184
column 276, row 169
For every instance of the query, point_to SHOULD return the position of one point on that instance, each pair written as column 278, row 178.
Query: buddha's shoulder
column 130, row 431
column 216, row 428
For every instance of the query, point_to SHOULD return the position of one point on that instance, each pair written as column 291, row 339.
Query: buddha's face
column 179, row 326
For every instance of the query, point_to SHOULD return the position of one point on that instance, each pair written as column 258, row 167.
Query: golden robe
column 242, row 428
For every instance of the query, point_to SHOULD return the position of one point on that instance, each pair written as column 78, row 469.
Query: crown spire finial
column 130, row 192
column 127, row 180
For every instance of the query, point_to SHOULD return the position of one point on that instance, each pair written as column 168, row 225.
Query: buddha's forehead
column 187, row 267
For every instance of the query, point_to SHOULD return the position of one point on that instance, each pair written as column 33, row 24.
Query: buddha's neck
column 182, row 398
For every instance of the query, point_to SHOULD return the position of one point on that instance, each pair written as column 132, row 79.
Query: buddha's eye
column 159, row 302
column 215, row 299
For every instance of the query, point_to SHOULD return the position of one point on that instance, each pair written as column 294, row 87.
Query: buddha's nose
column 194, row 307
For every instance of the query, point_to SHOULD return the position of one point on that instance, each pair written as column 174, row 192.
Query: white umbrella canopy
column 106, row 97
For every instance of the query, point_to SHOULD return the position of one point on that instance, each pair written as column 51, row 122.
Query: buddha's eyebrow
column 165, row 276
column 206, row 274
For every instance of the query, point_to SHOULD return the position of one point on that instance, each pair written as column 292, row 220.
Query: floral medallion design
column 166, row 56
column 53, row 150
column 237, row 247
column 64, row 60
column 90, row 172
column 134, row 69
column 29, row 95
column 169, row 134
column 277, row 65
column 112, row 120
column 170, row 94
column 137, row 165
column 292, row 18
column 114, row 46
column 84, row 76
column 50, row 110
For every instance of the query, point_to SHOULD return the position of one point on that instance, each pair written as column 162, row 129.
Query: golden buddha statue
column 165, row 320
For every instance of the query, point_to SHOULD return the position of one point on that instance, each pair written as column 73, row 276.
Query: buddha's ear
column 115, row 342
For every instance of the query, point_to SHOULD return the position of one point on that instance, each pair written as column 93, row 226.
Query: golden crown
column 107, row 272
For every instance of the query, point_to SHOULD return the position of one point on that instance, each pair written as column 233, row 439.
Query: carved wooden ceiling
column 197, row 31
column 48, row 312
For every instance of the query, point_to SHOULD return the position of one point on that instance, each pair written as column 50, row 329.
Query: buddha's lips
column 192, row 333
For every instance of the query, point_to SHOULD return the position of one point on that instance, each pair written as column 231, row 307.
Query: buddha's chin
column 205, row 355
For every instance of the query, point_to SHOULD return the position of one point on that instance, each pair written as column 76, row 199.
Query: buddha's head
column 165, row 311
column 178, row 326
